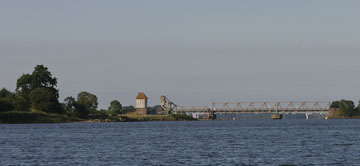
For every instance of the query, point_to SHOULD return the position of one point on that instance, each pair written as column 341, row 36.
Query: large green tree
column 87, row 100
column 347, row 107
column 40, row 78
column 115, row 107
column 45, row 100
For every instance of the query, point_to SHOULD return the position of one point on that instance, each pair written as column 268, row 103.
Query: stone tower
column 141, row 104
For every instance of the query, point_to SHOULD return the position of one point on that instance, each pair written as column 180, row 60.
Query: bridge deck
column 259, row 107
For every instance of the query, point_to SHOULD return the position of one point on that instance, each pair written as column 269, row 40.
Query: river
column 238, row 142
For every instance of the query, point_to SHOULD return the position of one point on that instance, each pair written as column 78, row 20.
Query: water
column 240, row 142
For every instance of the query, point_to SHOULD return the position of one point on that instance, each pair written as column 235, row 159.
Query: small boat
column 276, row 116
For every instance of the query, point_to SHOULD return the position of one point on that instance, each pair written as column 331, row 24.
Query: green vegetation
column 345, row 108
column 45, row 100
column 36, row 100
column 7, row 100
column 33, row 91
column 88, row 101
column 33, row 117
column 115, row 107
column 39, row 84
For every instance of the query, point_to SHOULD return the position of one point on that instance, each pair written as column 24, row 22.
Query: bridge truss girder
column 292, row 106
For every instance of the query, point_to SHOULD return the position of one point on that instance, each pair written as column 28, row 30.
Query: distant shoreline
column 16, row 117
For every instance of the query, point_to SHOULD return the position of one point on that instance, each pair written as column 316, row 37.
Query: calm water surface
column 240, row 142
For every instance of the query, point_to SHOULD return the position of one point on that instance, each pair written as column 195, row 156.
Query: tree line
column 346, row 107
column 38, row 92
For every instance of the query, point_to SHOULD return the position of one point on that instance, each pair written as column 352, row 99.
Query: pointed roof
column 141, row 95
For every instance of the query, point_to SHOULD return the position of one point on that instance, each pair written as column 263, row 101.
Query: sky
column 194, row 52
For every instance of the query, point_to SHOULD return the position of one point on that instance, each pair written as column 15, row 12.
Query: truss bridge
column 259, row 107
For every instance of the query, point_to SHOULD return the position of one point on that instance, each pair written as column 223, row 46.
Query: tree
column 335, row 104
column 4, row 93
column 129, row 108
column 115, row 107
column 40, row 78
column 88, row 101
column 346, row 107
column 69, row 105
column 7, row 100
column 45, row 100
column 81, row 111
column 5, row 105
column 23, row 89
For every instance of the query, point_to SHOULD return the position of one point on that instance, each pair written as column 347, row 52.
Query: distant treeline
column 346, row 108
column 38, row 92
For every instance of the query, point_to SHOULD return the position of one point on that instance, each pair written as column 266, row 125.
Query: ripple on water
column 240, row 142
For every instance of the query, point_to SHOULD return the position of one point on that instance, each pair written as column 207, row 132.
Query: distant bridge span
column 259, row 107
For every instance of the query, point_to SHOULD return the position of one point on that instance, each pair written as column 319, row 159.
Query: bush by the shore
column 336, row 114
column 32, row 117
column 13, row 117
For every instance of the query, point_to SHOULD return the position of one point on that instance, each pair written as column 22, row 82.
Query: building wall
column 141, row 111
column 141, row 103
column 141, row 106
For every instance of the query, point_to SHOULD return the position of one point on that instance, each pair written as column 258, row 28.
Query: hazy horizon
column 194, row 52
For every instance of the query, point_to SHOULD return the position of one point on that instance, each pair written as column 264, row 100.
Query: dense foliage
column 32, row 117
column 38, row 91
column 346, row 107
column 87, row 100
column 7, row 100
column 115, row 107
column 45, row 100
column 69, row 106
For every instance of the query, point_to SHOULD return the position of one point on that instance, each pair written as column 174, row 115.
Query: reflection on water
column 239, row 142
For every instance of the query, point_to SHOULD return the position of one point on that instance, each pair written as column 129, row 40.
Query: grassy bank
column 337, row 115
column 14, row 117
column 345, row 117
column 33, row 117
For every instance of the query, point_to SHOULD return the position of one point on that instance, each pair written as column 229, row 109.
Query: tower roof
column 141, row 95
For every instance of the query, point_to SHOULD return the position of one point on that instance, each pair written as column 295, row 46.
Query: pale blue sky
column 195, row 52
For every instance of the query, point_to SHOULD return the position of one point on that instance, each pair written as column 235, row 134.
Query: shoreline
column 17, row 117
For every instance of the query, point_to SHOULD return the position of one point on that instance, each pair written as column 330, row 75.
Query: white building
column 141, row 104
